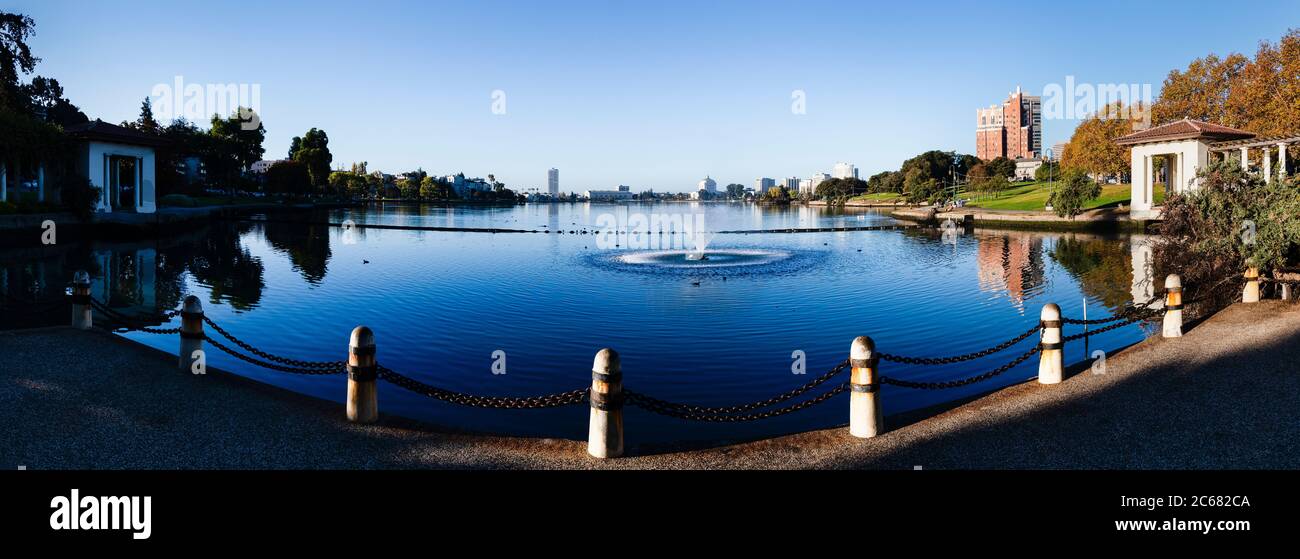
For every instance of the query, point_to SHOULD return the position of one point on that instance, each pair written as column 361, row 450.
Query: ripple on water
column 717, row 262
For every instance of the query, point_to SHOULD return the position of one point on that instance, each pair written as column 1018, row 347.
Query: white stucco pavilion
column 120, row 162
column 1188, row 145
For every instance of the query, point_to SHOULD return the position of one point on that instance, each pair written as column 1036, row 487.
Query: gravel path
column 1226, row 395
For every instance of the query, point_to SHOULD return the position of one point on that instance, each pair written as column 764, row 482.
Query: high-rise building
column 709, row 185
column 816, row 179
column 1058, row 149
column 845, row 171
column 553, row 182
column 1013, row 130
column 762, row 185
column 791, row 184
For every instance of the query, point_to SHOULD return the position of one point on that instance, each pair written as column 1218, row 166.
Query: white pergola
column 1182, row 147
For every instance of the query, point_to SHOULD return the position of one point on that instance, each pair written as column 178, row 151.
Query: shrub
column 1234, row 217
column 1075, row 190
column 177, row 201
column 79, row 196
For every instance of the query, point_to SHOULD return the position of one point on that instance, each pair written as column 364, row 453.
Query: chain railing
column 681, row 411
column 128, row 323
column 940, row 385
column 961, row 358
column 607, row 396
column 761, row 409
column 297, row 365
column 498, row 402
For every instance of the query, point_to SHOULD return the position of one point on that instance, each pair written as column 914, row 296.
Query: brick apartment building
column 1013, row 130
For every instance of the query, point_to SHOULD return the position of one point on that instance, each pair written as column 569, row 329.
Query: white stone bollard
column 1286, row 291
column 82, row 315
column 866, row 417
column 363, row 370
column 191, row 333
column 1251, row 293
column 1051, row 366
column 605, row 427
column 1173, row 326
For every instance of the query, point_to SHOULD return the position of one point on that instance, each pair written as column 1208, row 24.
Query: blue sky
column 649, row 94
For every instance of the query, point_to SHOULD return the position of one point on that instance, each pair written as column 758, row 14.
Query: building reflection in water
column 1112, row 269
column 144, row 279
column 1011, row 263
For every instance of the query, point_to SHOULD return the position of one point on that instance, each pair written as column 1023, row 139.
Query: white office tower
column 553, row 182
column 845, row 171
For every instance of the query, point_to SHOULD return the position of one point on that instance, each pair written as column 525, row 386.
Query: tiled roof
column 98, row 130
column 1185, row 129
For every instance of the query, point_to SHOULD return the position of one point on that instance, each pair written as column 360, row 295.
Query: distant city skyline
column 653, row 96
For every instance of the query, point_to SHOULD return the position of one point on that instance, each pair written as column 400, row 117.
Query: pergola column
column 1281, row 159
column 1268, row 164
column 1245, row 159
column 4, row 179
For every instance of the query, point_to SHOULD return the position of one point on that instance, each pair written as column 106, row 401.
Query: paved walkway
column 1227, row 395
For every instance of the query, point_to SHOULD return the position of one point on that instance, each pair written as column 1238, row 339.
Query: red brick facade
column 1011, row 130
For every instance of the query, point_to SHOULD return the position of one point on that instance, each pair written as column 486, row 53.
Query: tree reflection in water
column 306, row 245
column 218, row 260
column 1101, row 265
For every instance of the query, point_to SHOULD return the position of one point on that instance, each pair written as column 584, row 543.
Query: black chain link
column 338, row 368
column 127, row 323
column 556, row 400
column 960, row 382
column 1136, row 319
column 661, row 407
column 330, row 366
column 959, row 358
column 1128, row 312
column 695, row 410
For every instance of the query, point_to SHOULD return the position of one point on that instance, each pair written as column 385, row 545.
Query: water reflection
column 1011, row 263
column 306, row 245
column 451, row 299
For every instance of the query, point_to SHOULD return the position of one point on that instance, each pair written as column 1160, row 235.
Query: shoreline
column 1100, row 219
column 1158, row 402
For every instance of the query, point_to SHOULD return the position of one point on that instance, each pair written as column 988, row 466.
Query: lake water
column 442, row 303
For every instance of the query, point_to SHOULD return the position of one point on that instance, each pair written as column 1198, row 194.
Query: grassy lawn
column 1033, row 196
column 877, row 197
column 207, row 200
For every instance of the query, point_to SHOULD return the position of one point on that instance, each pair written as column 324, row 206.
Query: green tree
column 1049, row 170
column 887, row 181
column 1232, row 220
column 146, row 123
column 235, row 145
column 288, row 177
column 1074, row 191
column 840, row 189
column 312, row 149
column 409, row 187
column 778, row 195
column 44, row 96
column 920, row 186
column 1001, row 167
column 15, row 58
